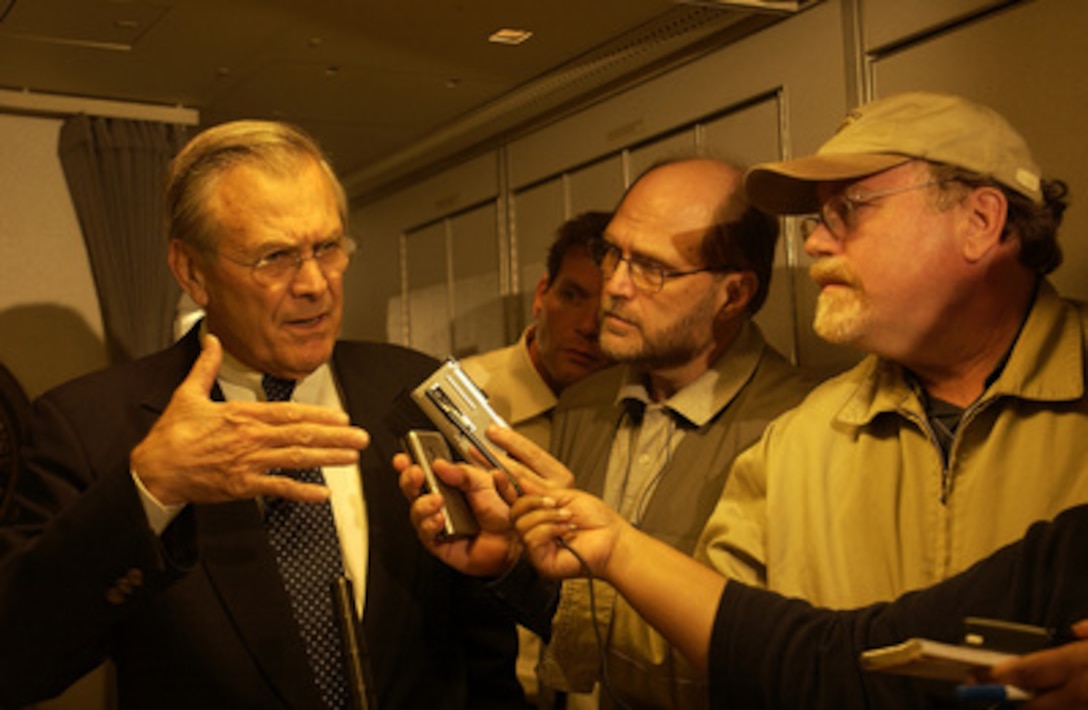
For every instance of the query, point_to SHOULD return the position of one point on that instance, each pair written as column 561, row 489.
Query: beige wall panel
column 396, row 323
column 374, row 277
column 50, row 325
column 1030, row 64
column 747, row 136
column 477, row 300
column 428, row 291
column 803, row 53
column 538, row 212
column 888, row 21
column 676, row 145
column 597, row 186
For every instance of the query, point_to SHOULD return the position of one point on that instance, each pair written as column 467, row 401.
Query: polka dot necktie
column 303, row 537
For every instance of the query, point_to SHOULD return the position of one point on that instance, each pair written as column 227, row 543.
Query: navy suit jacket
column 198, row 617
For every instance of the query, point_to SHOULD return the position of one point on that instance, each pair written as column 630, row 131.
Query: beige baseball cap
column 880, row 135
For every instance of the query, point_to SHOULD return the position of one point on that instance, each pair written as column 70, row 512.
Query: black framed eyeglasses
column 282, row 265
column 646, row 274
column 839, row 213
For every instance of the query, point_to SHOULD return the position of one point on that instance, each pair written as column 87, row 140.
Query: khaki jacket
column 515, row 389
column 756, row 385
column 863, row 507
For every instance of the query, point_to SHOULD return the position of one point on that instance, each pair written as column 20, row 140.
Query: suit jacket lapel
column 361, row 401
column 370, row 387
column 241, row 568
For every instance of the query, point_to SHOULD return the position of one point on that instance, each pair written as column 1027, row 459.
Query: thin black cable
column 643, row 499
column 650, row 486
column 602, row 655
column 640, row 503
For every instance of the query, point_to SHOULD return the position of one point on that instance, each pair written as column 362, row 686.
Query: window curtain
column 116, row 173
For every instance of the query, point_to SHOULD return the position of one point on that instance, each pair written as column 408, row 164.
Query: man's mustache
column 617, row 313
column 832, row 270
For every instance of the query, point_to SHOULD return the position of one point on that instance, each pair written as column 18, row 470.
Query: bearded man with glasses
column 174, row 518
column 932, row 235
column 685, row 264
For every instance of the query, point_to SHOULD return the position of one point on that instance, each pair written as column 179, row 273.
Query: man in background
column 523, row 381
column 179, row 538
column 686, row 263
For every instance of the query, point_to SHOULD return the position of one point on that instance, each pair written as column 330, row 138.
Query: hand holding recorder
column 488, row 493
column 513, row 464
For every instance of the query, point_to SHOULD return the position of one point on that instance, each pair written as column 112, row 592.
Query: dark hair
column 747, row 243
column 1035, row 225
column 575, row 232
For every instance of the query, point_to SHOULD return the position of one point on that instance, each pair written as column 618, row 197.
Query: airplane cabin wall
column 470, row 242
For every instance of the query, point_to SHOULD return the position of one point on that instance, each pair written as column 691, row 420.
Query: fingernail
column 548, row 501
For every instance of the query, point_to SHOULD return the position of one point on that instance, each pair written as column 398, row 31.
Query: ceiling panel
column 386, row 87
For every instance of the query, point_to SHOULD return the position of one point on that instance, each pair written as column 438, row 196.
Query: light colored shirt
column 715, row 418
column 515, row 388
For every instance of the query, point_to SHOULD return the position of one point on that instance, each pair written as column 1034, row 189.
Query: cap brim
column 789, row 186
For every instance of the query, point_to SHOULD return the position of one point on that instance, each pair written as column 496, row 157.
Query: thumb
column 206, row 368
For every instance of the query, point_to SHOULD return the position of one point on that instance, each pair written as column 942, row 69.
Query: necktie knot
column 277, row 389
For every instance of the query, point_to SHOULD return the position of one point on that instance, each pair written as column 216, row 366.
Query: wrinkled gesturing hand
column 200, row 451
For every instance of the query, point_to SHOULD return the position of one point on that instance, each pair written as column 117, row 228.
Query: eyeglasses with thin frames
column 647, row 275
column 282, row 265
column 839, row 213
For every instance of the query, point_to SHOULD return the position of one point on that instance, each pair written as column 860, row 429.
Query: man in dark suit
column 143, row 530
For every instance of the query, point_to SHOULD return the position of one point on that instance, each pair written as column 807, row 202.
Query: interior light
column 510, row 36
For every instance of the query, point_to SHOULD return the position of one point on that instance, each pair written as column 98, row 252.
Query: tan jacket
column 846, row 499
column 515, row 389
column 756, row 385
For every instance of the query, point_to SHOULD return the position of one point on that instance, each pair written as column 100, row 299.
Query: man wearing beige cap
column 932, row 235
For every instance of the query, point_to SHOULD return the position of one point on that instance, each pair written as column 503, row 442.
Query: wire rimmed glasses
column 839, row 213
column 646, row 274
column 282, row 265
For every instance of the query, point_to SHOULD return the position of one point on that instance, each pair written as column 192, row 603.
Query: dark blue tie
column 303, row 536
